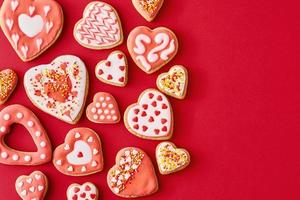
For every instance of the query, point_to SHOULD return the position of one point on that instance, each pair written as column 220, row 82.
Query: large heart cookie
column 151, row 117
column 174, row 82
column 113, row 70
column 152, row 49
column 170, row 158
column 31, row 26
column 8, row 82
column 148, row 8
column 32, row 187
column 81, row 153
column 86, row 191
column 59, row 88
column 133, row 175
column 21, row 115
column 100, row 27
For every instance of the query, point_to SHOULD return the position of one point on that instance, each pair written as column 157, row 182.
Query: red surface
column 240, row 120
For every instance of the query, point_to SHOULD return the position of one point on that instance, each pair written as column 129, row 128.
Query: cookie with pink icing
column 33, row 186
column 104, row 109
column 80, row 154
column 152, row 49
column 148, row 8
column 22, row 115
column 86, row 191
column 31, row 26
column 133, row 175
column 8, row 82
column 113, row 70
column 151, row 117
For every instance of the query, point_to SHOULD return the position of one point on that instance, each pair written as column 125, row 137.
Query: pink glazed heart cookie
column 152, row 49
column 133, row 175
column 113, row 70
column 31, row 26
column 81, row 153
column 59, row 88
column 32, row 187
column 104, row 109
column 151, row 117
column 86, row 191
column 8, row 82
column 100, row 27
column 21, row 115
column 148, row 8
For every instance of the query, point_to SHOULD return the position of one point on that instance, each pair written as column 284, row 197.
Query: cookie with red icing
column 22, row 115
column 33, row 186
column 80, row 154
column 59, row 88
column 133, row 175
column 8, row 82
column 31, row 26
column 104, row 109
column 148, row 8
column 113, row 70
column 86, row 191
column 151, row 117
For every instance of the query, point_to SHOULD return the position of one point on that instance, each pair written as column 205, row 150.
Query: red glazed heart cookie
column 8, row 82
column 174, row 82
column 31, row 26
column 86, row 191
column 32, row 187
column 113, row 70
column 151, row 117
column 100, row 27
column 81, row 153
column 148, row 8
column 133, row 175
column 21, row 115
column 59, row 88
column 104, row 109
column 152, row 49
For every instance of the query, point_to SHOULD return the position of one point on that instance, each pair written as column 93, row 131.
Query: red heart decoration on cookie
column 148, row 8
column 81, row 153
column 133, row 175
column 32, row 187
column 151, row 117
column 152, row 49
column 86, row 191
column 8, row 82
column 31, row 26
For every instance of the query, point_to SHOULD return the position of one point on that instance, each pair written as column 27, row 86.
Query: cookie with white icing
column 148, row 8
column 86, row 191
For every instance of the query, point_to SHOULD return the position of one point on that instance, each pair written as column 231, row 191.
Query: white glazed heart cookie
column 59, row 88
column 148, row 8
column 86, row 191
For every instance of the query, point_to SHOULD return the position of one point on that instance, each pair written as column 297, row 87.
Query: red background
column 240, row 120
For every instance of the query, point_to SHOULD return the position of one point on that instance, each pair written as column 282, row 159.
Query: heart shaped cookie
column 86, row 191
column 100, row 27
column 152, row 49
column 133, row 175
column 104, row 109
column 32, row 187
column 59, row 88
column 113, row 70
column 31, row 26
column 148, row 8
column 8, row 82
column 21, row 115
column 174, row 82
column 171, row 159
column 81, row 153
column 151, row 117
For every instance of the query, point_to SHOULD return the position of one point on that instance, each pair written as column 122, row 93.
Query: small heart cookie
column 59, row 88
column 171, row 159
column 104, row 109
column 113, row 70
column 174, row 82
column 32, row 187
column 151, row 117
column 133, row 175
column 8, row 82
column 86, row 191
column 152, row 49
column 100, row 27
column 81, row 153
column 148, row 8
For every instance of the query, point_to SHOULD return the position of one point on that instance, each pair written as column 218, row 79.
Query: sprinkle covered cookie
column 148, row 8
column 86, row 191
column 8, row 82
